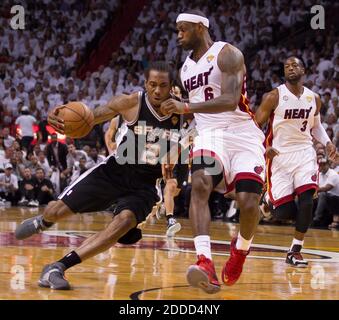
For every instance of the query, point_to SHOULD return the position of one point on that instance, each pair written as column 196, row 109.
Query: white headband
column 188, row 17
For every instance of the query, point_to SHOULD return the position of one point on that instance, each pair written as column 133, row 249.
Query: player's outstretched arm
column 125, row 105
column 268, row 104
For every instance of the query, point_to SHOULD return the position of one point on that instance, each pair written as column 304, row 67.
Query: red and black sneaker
column 232, row 269
column 202, row 275
column 295, row 259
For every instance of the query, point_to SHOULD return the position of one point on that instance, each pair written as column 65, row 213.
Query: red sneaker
column 233, row 267
column 202, row 275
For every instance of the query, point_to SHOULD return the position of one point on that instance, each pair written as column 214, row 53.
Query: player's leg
column 302, row 223
column 54, row 211
column 248, row 194
column 247, row 173
column 305, row 178
column 83, row 195
column 202, row 274
column 52, row 275
column 170, row 192
column 131, row 209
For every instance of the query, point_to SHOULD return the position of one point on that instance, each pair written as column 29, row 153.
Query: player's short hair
column 161, row 66
column 301, row 61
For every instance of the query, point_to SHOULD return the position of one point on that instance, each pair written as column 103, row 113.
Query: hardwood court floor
column 155, row 267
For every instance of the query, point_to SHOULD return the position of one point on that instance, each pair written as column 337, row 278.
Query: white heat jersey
column 202, row 80
column 291, row 122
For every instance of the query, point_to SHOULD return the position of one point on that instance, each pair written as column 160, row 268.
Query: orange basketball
column 78, row 119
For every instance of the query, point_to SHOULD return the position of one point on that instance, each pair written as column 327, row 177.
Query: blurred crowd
column 38, row 70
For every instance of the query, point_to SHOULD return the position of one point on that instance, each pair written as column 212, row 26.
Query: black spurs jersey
column 145, row 141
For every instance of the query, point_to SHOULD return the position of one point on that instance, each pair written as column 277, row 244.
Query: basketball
column 79, row 119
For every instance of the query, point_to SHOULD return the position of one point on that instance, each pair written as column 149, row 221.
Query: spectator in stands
column 44, row 191
column 8, row 154
column 94, row 158
column 43, row 163
column 73, row 158
column 56, row 153
column 79, row 169
column 25, row 123
column 9, row 185
column 328, row 196
column 8, row 139
column 17, row 168
column 27, row 189
column 34, row 164
column 11, row 102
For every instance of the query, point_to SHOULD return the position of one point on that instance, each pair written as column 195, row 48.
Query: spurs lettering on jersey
column 292, row 120
column 202, row 80
column 152, row 134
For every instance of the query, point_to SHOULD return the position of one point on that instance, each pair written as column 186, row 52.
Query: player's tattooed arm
column 126, row 105
column 268, row 104
column 231, row 64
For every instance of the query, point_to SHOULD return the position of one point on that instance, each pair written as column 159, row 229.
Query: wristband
column 186, row 108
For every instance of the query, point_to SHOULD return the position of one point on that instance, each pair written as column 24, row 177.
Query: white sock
column 203, row 246
column 243, row 244
column 296, row 241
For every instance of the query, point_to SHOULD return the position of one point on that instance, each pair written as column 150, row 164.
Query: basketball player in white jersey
column 228, row 152
column 293, row 112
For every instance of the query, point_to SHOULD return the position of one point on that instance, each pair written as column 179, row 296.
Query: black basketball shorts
column 107, row 183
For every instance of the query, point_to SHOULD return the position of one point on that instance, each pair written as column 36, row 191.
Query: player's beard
column 294, row 80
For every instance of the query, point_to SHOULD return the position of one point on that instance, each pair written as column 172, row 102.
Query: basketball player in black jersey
column 128, row 178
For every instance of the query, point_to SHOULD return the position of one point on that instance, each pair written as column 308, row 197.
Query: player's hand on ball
column 172, row 106
column 55, row 121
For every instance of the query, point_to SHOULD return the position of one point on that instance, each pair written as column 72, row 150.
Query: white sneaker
column 33, row 203
column 172, row 227
column 232, row 210
column 2, row 202
column 23, row 202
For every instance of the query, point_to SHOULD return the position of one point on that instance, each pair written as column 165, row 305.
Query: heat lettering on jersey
column 297, row 113
column 197, row 81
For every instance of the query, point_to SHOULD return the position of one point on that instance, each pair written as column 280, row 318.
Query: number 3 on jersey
column 303, row 128
column 208, row 93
